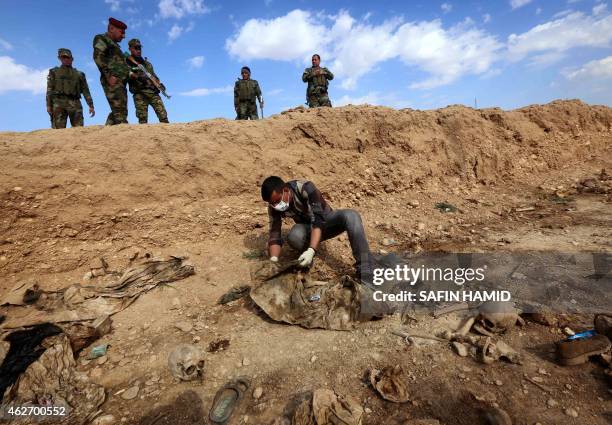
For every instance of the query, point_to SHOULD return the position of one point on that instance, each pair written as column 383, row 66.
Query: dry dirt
column 69, row 197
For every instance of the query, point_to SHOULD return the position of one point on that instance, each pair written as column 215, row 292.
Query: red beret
column 117, row 23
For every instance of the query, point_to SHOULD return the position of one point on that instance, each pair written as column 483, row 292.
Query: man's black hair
column 317, row 55
column 245, row 67
column 269, row 185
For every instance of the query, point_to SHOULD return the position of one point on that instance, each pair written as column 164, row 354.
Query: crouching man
column 315, row 222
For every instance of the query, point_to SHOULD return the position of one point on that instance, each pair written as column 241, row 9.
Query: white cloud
column 373, row 98
column 196, row 62
column 601, row 69
column 538, row 11
column 207, row 92
column 355, row 47
column 177, row 30
column 446, row 7
column 486, row 18
column 294, row 36
column 115, row 5
column 179, row 8
column 546, row 59
column 599, row 9
column 519, row 3
column 5, row 45
column 570, row 31
column 17, row 77
column 274, row 92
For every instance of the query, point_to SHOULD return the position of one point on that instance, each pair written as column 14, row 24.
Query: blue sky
column 418, row 54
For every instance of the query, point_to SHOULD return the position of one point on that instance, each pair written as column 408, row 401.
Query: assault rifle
column 261, row 107
column 151, row 78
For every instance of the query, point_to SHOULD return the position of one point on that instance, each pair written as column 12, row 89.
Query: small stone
column 568, row 331
column 537, row 379
column 313, row 359
column 246, row 362
column 388, row 242
column 102, row 360
column 420, row 225
column 499, row 383
column 183, row 326
column 130, row 393
column 176, row 303
column 460, row 349
column 104, row 420
column 571, row 412
column 414, row 203
column 542, row 371
column 17, row 189
column 367, row 410
column 196, row 339
column 552, row 403
column 257, row 393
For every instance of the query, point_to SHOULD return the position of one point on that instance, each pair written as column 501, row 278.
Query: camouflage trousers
column 316, row 100
column 117, row 100
column 64, row 108
column 142, row 101
column 247, row 110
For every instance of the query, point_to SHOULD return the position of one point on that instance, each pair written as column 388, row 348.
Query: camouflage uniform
column 316, row 93
column 65, row 85
column 245, row 94
column 110, row 61
column 144, row 91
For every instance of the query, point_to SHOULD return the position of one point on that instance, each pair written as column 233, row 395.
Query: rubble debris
column 491, row 351
column 97, row 351
column 234, row 294
column 130, row 393
column 327, row 407
column 391, row 383
column 603, row 324
column 227, row 399
column 218, row 345
column 446, row 207
column 495, row 317
column 496, row 416
column 186, row 362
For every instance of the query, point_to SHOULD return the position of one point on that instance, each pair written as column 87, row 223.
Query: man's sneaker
column 578, row 351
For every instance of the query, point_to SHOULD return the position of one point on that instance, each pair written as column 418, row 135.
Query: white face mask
column 281, row 206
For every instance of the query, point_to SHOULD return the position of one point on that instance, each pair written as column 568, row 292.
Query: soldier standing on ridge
column 144, row 91
column 114, row 71
column 65, row 85
column 318, row 81
column 245, row 93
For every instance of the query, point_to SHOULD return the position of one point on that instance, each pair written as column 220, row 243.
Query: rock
column 101, row 360
column 552, row 403
column 257, row 393
column 414, row 203
column 313, row 359
column 367, row 410
column 246, row 362
column 183, row 326
column 571, row 412
column 388, row 242
column 420, row 225
column 176, row 304
column 568, row 331
column 499, row 383
column 460, row 349
column 104, row 420
column 196, row 339
column 130, row 393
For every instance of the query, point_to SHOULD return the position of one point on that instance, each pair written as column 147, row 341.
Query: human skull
column 496, row 317
column 186, row 362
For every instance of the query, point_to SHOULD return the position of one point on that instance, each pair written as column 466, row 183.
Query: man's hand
column 306, row 258
column 318, row 71
column 92, row 112
column 112, row 80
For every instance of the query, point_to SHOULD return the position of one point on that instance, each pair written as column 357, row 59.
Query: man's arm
column 306, row 75
column 328, row 74
column 257, row 91
column 236, row 96
column 85, row 91
column 50, row 88
column 274, row 239
column 315, row 202
column 99, row 58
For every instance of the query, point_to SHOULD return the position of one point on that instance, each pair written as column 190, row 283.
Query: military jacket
column 317, row 83
column 66, row 81
column 246, row 91
column 109, row 58
column 141, row 83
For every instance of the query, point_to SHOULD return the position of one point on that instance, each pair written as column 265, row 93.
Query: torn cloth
column 78, row 303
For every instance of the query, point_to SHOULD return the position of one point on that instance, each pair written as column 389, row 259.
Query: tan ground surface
column 68, row 197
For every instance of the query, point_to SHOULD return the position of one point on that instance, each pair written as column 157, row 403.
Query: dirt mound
column 527, row 179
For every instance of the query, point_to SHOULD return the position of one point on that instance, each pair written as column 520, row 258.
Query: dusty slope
column 70, row 196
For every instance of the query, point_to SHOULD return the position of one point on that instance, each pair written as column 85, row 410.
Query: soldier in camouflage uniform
column 144, row 91
column 317, row 79
column 245, row 93
column 65, row 85
column 114, row 71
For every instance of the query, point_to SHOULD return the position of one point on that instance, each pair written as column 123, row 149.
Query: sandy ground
column 69, row 197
